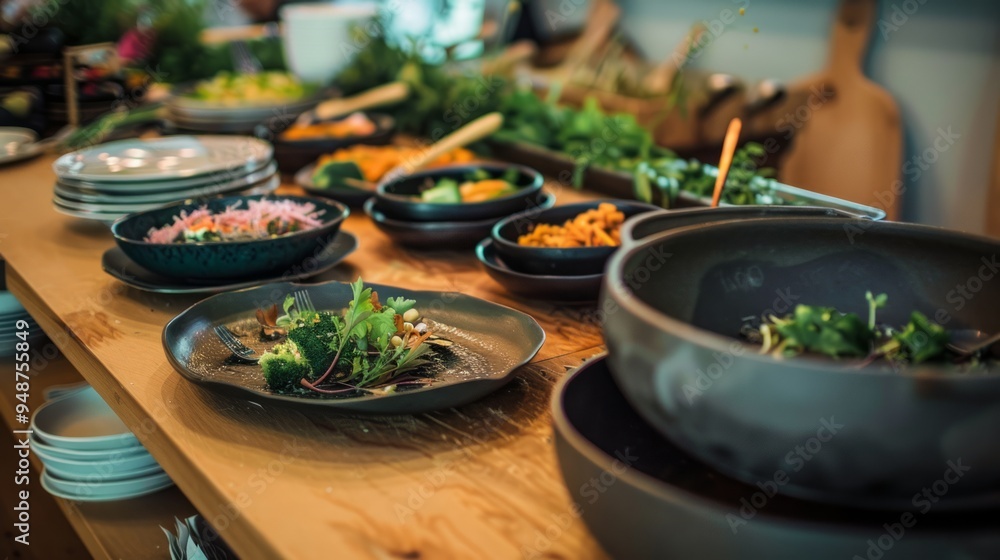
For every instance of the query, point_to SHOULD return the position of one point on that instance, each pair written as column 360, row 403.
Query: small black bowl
column 566, row 289
column 223, row 259
column 293, row 155
column 399, row 198
column 572, row 261
column 440, row 235
column 354, row 198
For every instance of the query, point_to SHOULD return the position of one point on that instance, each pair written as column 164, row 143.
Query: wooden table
column 480, row 481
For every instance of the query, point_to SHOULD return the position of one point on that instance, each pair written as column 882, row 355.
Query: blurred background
column 938, row 62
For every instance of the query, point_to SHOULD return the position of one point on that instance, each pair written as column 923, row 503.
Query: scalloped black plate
column 490, row 342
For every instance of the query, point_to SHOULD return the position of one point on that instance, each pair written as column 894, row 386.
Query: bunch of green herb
column 745, row 184
column 827, row 331
column 369, row 345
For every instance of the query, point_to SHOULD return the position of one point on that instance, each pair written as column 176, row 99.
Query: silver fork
column 302, row 301
column 240, row 351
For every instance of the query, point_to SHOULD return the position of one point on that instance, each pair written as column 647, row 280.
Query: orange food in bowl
column 355, row 125
column 376, row 161
column 599, row 227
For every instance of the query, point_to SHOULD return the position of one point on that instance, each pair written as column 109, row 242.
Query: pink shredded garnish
column 261, row 219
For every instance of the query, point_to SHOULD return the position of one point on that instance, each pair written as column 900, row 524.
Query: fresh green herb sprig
column 745, row 184
column 368, row 346
column 826, row 331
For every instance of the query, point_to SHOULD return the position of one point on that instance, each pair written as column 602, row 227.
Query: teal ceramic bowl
column 127, row 452
column 101, row 471
column 224, row 260
column 104, row 491
column 81, row 421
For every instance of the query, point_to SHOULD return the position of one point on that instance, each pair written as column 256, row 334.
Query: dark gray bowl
column 644, row 497
column 440, row 235
column 576, row 261
column 566, row 289
column 293, row 155
column 399, row 197
column 223, row 260
column 650, row 224
column 677, row 302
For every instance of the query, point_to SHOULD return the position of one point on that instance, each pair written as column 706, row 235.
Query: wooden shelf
column 128, row 529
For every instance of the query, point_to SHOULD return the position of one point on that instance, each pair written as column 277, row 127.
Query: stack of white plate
column 11, row 312
column 88, row 453
column 108, row 181
column 206, row 116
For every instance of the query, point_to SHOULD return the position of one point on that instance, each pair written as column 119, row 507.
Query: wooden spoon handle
column 382, row 95
column 514, row 54
column 726, row 161
column 475, row 130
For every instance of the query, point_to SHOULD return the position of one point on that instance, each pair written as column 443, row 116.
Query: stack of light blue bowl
column 88, row 453
column 11, row 311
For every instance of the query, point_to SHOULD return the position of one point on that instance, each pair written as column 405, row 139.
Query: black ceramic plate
column 355, row 198
column 643, row 497
column 293, row 155
column 490, row 342
column 399, row 198
column 552, row 260
column 117, row 264
column 439, row 235
column 569, row 289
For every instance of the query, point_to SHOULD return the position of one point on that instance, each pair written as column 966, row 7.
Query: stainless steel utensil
column 240, row 351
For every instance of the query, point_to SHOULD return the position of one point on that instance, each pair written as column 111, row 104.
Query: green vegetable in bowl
column 445, row 191
column 479, row 186
column 228, row 88
column 826, row 331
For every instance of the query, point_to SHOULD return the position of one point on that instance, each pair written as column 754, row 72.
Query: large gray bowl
column 643, row 497
column 674, row 305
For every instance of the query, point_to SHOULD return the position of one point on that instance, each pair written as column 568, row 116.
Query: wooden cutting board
column 848, row 144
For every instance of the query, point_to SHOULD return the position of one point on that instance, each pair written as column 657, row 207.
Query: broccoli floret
column 315, row 341
column 283, row 367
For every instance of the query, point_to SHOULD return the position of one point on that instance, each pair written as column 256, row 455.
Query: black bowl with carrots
column 298, row 146
column 460, row 193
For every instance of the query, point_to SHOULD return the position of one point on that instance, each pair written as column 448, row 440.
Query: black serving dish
column 565, row 289
column 652, row 224
column 620, row 184
column 224, row 259
column 554, row 261
column 440, row 235
column 293, row 155
column 642, row 496
column 675, row 348
column 117, row 264
column 354, row 198
column 490, row 342
column 398, row 197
